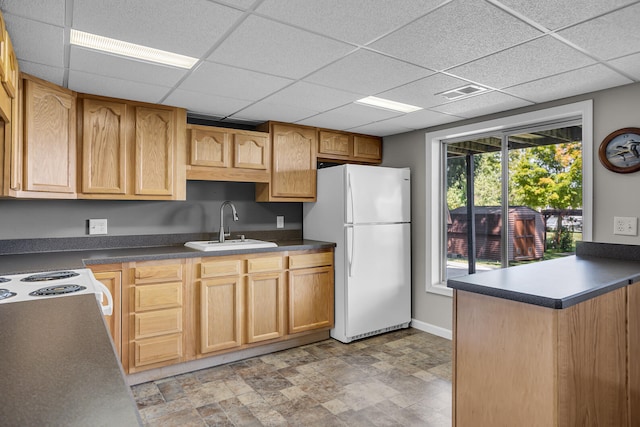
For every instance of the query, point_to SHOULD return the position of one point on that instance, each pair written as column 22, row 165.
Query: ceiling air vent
column 463, row 91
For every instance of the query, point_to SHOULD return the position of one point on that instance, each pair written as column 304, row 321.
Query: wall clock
column 620, row 150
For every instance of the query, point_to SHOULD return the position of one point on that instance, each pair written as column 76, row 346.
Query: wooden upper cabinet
column 49, row 139
column 348, row 147
column 293, row 165
column 10, row 74
column 210, row 148
column 338, row 144
column 367, row 148
column 104, row 149
column 131, row 150
column 250, row 151
column 155, row 145
column 222, row 154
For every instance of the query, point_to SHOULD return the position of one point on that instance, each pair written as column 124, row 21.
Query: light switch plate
column 625, row 225
column 280, row 221
column 97, row 226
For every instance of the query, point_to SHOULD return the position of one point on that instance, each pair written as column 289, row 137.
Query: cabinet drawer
column 259, row 265
column 159, row 349
column 158, row 322
column 158, row 273
column 229, row 267
column 153, row 297
column 310, row 260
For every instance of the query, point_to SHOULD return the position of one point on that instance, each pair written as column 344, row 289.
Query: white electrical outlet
column 97, row 226
column 625, row 225
column 279, row 221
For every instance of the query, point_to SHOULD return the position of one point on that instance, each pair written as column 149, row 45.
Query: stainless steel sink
column 229, row 245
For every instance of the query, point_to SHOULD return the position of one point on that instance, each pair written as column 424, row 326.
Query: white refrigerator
column 366, row 211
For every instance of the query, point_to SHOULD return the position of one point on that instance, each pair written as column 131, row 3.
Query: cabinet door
column 265, row 307
column 154, row 158
column 210, row 148
column 294, row 162
column 104, row 147
column 220, row 314
column 49, row 138
column 368, row 148
column 113, row 281
column 334, row 144
column 310, row 299
column 250, row 151
column 10, row 65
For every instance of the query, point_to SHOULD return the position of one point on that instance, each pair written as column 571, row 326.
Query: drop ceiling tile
column 458, row 32
column 35, row 41
column 349, row 116
column 312, row 97
column 266, row 46
column 367, row 73
column 628, row 64
column 44, row 72
column 238, row 4
column 479, row 105
column 380, row 129
column 231, row 82
column 584, row 80
column 608, row 36
column 49, row 11
column 529, row 61
column 116, row 88
column 188, row 27
column 554, row 14
column 425, row 92
column 209, row 105
column 91, row 61
column 263, row 111
column 421, row 119
column 346, row 20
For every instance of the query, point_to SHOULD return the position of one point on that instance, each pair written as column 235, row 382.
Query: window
column 533, row 169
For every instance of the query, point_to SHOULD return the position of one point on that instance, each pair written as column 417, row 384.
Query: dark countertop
column 560, row 283
column 62, row 260
column 59, row 366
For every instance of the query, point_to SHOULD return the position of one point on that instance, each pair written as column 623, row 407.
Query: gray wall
column 613, row 194
column 24, row 219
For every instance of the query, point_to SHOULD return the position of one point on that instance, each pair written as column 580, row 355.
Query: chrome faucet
column 221, row 234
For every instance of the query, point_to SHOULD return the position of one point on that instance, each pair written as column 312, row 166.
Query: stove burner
column 4, row 280
column 6, row 293
column 57, row 290
column 45, row 277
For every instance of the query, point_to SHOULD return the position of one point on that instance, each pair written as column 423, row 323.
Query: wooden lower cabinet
column 220, row 314
column 113, row 281
column 519, row 364
column 311, row 291
column 157, row 314
column 265, row 306
column 310, row 299
column 181, row 310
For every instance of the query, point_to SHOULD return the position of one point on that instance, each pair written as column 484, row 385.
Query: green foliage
column 548, row 176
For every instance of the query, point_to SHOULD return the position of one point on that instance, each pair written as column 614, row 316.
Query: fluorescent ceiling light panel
column 131, row 50
column 386, row 104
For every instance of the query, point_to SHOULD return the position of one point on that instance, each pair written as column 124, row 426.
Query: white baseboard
column 432, row 329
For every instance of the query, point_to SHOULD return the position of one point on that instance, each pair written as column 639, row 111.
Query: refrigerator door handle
column 350, row 247
column 350, row 196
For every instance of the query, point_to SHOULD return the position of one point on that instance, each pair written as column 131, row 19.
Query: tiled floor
column 401, row 378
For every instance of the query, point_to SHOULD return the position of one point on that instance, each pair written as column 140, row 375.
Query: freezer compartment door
column 377, row 277
column 377, row 194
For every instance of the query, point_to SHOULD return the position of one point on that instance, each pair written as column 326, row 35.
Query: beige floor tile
column 402, row 378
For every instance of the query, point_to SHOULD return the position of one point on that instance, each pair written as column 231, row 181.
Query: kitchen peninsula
column 552, row 343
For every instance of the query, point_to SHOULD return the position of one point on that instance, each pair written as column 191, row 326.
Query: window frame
column 436, row 157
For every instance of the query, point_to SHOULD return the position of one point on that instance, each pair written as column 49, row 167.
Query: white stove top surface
column 82, row 282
